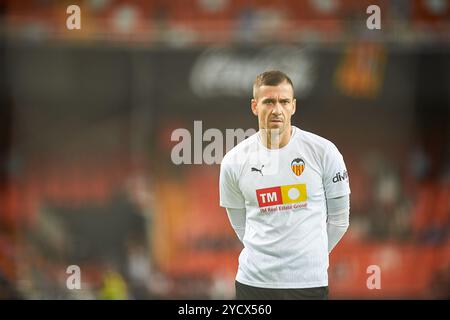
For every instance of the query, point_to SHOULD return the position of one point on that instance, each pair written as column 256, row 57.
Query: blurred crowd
column 181, row 23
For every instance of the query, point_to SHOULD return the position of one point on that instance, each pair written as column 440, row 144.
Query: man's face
column 274, row 106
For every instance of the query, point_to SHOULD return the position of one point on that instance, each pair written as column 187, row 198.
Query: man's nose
column 277, row 108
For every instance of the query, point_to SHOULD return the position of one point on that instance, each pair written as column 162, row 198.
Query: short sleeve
column 335, row 176
column 230, row 194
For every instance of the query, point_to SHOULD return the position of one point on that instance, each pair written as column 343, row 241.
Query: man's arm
column 237, row 220
column 231, row 197
column 338, row 214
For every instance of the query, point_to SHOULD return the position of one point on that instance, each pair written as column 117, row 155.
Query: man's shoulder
column 239, row 151
column 314, row 141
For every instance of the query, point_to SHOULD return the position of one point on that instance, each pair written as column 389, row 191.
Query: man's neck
column 272, row 139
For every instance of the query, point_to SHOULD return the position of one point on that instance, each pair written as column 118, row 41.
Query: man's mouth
column 276, row 120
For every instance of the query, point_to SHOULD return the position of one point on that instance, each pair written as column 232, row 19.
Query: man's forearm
column 237, row 221
column 338, row 214
column 335, row 233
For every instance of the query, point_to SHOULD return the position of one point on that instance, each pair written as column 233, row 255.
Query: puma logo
column 258, row 170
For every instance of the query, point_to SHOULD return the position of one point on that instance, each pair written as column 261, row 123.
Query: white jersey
column 284, row 193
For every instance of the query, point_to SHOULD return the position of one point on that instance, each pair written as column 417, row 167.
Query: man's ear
column 294, row 103
column 253, row 105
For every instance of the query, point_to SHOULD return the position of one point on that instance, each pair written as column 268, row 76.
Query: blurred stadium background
column 86, row 119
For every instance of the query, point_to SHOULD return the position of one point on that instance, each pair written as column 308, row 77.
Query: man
column 286, row 192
